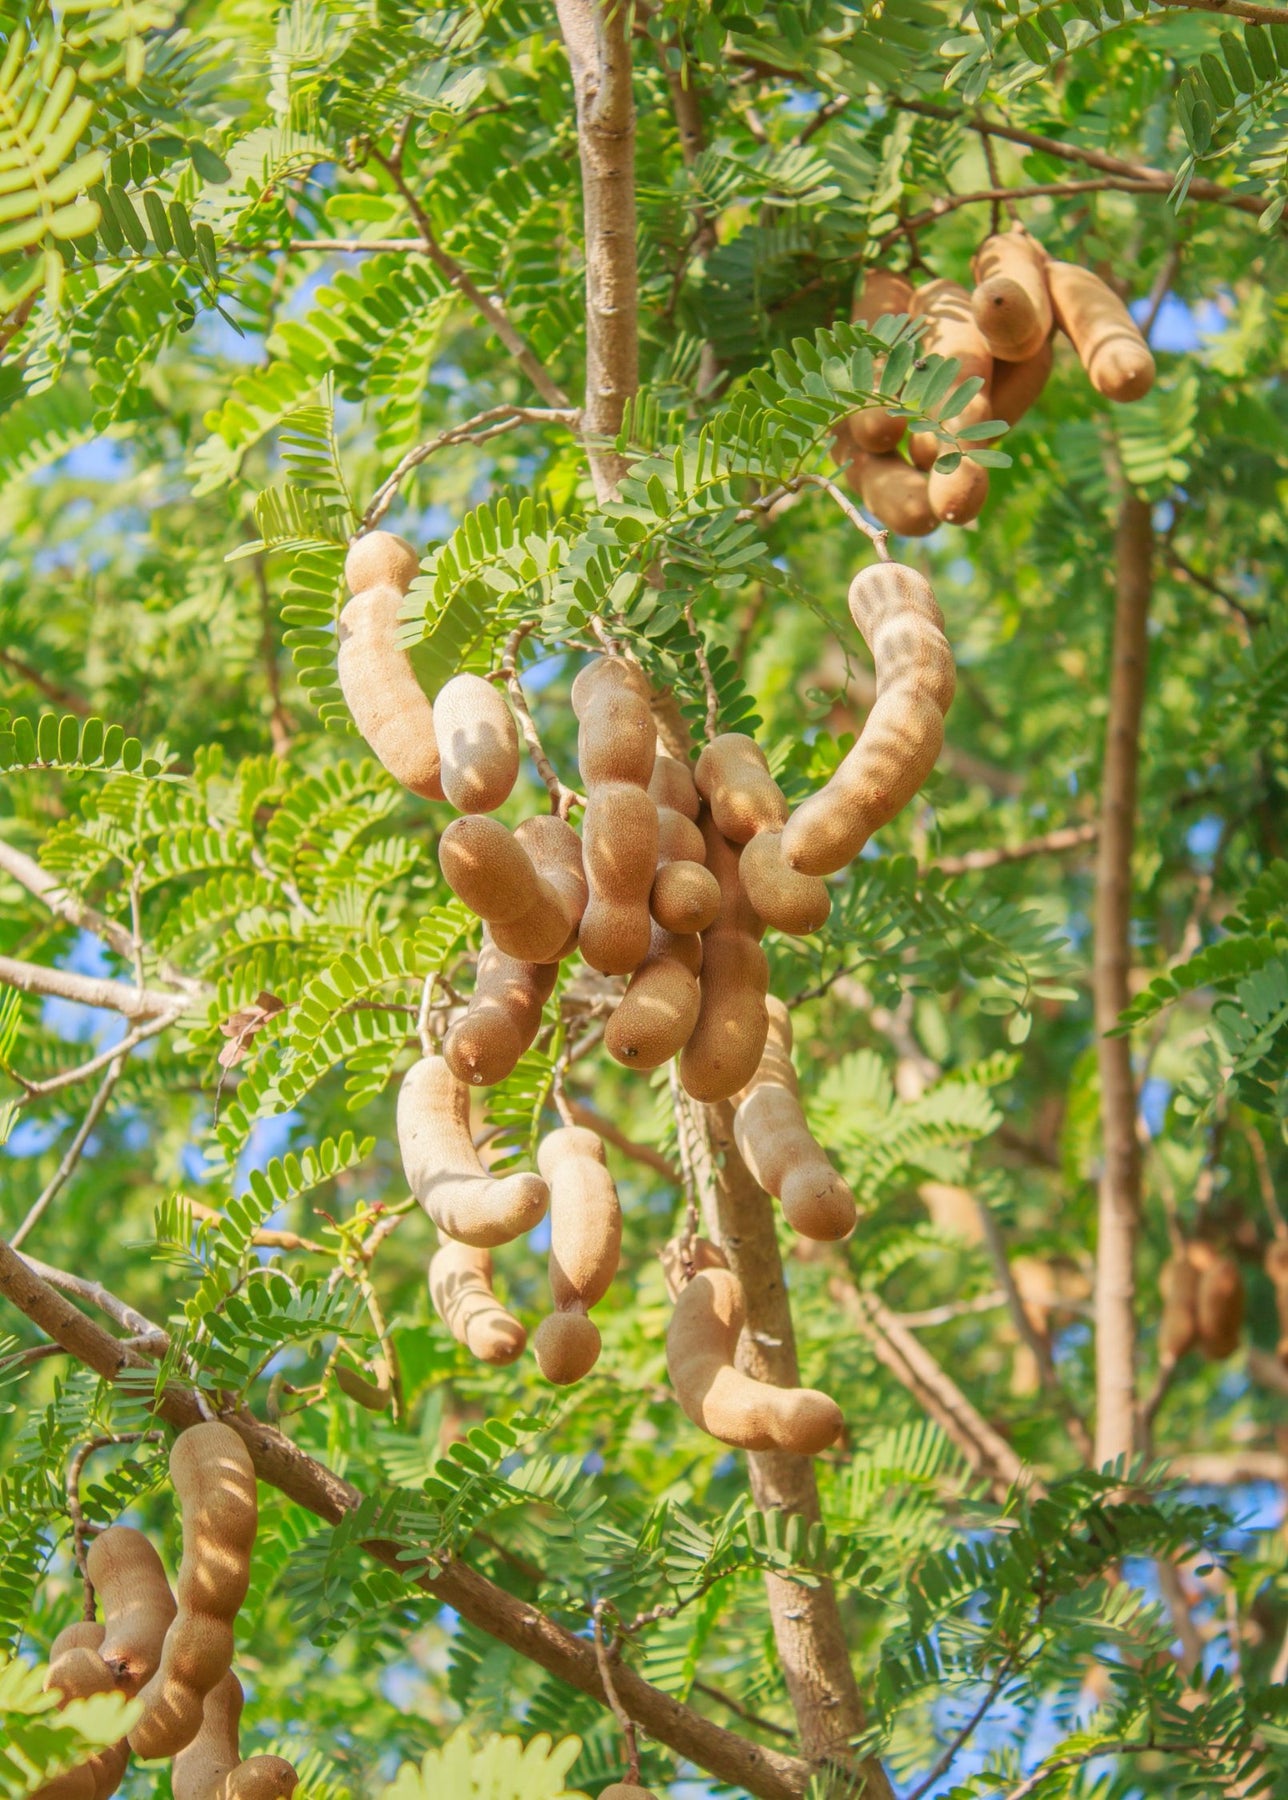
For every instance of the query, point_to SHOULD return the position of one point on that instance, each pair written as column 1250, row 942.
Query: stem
column 1120, row 1183
column 74, row 1149
column 86, row 990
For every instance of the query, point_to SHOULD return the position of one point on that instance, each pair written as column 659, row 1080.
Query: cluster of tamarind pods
column 1203, row 1299
column 676, row 873
column 173, row 1650
column 1003, row 333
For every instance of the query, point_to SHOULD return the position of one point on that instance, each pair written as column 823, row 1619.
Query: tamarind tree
column 563, row 295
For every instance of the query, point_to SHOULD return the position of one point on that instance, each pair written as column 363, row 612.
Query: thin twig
column 603, row 1655
column 953, row 1309
column 944, row 204
column 73, row 1153
column 478, row 430
column 562, row 797
column 1064, row 837
column 960, row 1738
column 35, row 1090
column 708, row 680
column 874, row 533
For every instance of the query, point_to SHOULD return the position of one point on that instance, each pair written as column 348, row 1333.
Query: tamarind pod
column 895, row 611
column 1276, row 1265
column 925, row 448
column 488, row 869
column 724, row 1048
column 443, row 1168
column 724, row 861
column 685, row 897
column 779, row 1148
column 77, row 1671
column 138, row 1607
column 950, row 327
column 502, row 1018
column 701, row 1341
column 1178, row 1284
column 678, row 836
column 782, row 897
column 958, row 498
column 619, row 845
column 1117, row 359
column 460, row 1287
column 1218, row 1302
column 684, row 947
column 567, row 1346
column 733, row 778
column 671, row 785
column 477, row 742
column 617, row 740
column 655, row 1017
column 210, row 1767
column 585, row 1216
column 1011, row 304
column 390, row 708
column 874, row 428
column 1016, row 385
column 894, row 493
column 626, row 1790
column 547, row 931
column 214, row 1480
column 373, row 1395
column 380, row 559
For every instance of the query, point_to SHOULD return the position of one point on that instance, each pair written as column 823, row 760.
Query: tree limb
column 88, row 990
column 767, row 1774
column 1064, row 837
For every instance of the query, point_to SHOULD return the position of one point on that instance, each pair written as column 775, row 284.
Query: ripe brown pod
column 502, row 1018
column 477, row 743
column 959, row 497
column 460, row 1287
column 701, row 1341
column 390, row 708
column 671, row 784
column 895, row 494
column 895, row 610
column 619, row 845
column 211, row 1768
column 780, row 1150
column 77, row 1671
column 554, row 850
column 617, row 739
column 655, row 1017
column 1219, row 1301
column 781, row 896
column 873, row 428
column 725, row 1045
column 1116, row 357
column 443, row 1168
column 1016, row 385
column 1011, row 304
column 138, row 1607
column 733, row 778
column 951, row 331
column 1178, row 1284
column 527, row 885
column 685, row 896
column 1276, row 1265
column 925, row 448
column 214, row 1480
column 585, row 1244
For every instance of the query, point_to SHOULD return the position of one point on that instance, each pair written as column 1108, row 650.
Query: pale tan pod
column 671, row 785
column 1219, row 1300
column 502, row 1019
column 1276, row 1267
column 654, row 1019
column 567, row 1346
column 685, row 897
column 390, row 708
column 1178, row 1284
column 477, row 742
column 460, row 1287
column 895, row 610
column 617, row 739
column 701, row 1343
column 138, row 1607
column 1010, row 303
column 532, row 910
column 619, row 846
column 723, row 1049
column 585, row 1216
column 210, row 1767
column 1117, row 359
column 780, row 1150
column 380, row 559
column 487, row 868
column 894, row 493
column 733, row 778
column 781, row 896
column 873, row 428
column 959, row 497
column 1016, row 385
column 626, row 1790
column 678, row 837
column 951, row 331
column 556, row 853
column 77, row 1671
column 214, row 1480
column 443, row 1169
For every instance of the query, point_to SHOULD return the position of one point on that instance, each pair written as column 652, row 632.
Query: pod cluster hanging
column 173, row 1650
column 677, row 871
column 1003, row 333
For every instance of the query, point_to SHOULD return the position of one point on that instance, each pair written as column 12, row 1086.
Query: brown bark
column 1120, row 1181
column 765, row 1773
column 597, row 35
column 88, row 990
column 808, row 1630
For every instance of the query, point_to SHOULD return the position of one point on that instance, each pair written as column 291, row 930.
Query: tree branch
column 492, row 423
column 52, row 691
column 73, row 1152
column 1064, row 837
column 640, row 1153
column 767, row 1774
column 1120, row 1181
column 87, row 990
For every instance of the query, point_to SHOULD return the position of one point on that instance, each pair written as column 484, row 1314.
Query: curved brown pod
column 214, row 1480
column 1178, row 1285
column 725, row 1045
column 211, row 1766
column 654, row 1019
column 527, row 885
column 616, row 739
column 1016, row 385
column 554, row 850
column 874, row 428
column 478, row 744
column 894, row 493
column 585, row 1244
column 732, row 776
column 779, row 1148
column 460, row 1287
column 895, row 610
column 1011, row 304
column 951, row 331
column 1117, row 359
column 138, row 1607
column 671, row 784
column 779, row 894
column 76, row 1672
column 443, row 1169
column 701, row 1343
column 1276, row 1266
column 958, row 497
column 685, row 896
column 390, row 708
column 1218, row 1308
column 619, row 846
column 502, row 1019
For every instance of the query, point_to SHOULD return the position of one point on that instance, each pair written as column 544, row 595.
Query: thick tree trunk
column 1120, row 1180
